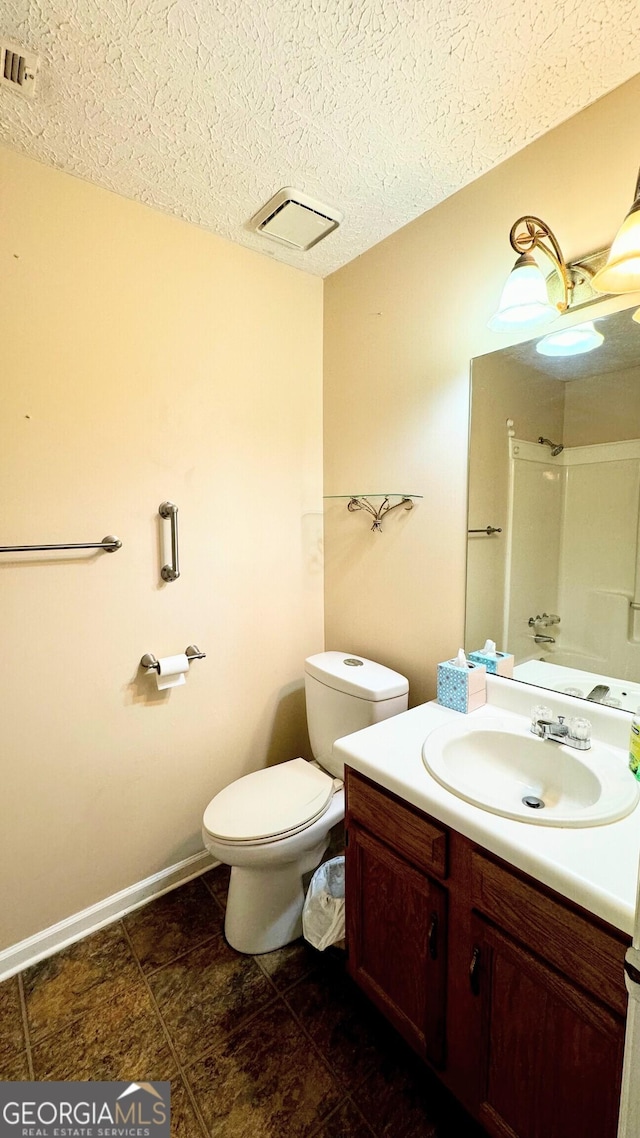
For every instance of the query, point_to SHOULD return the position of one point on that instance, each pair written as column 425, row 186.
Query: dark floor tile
column 264, row 1082
column 342, row 1023
column 14, row 1069
column 217, row 880
column 402, row 1099
column 173, row 924
column 346, row 1122
column 64, row 987
column 11, row 1030
column 184, row 1123
column 207, row 993
column 287, row 965
column 117, row 1039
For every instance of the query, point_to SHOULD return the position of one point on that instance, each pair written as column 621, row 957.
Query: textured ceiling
column 619, row 352
column 204, row 108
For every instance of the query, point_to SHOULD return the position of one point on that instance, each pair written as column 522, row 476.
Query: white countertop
column 594, row 866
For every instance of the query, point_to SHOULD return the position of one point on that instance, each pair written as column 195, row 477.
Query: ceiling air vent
column 18, row 68
column 294, row 219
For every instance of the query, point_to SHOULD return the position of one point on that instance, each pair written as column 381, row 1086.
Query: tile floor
column 277, row 1046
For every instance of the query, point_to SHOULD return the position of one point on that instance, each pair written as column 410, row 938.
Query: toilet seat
column 269, row 804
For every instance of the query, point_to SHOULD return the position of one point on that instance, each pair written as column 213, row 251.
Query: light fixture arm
column 636, row 196
column 536, row 233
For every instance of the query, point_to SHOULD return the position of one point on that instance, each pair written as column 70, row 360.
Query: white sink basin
column 498, row 764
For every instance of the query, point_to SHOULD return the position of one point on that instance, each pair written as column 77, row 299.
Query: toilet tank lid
column 355, row 675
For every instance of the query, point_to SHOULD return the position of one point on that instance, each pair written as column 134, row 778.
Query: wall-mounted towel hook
column 192, row 653
column 169, row 510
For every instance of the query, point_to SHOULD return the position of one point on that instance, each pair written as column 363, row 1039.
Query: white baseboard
column 45, row 943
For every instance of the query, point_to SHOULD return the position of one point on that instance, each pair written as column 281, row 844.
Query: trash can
column 323, row 911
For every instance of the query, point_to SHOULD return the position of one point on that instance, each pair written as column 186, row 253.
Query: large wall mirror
column 555, row 467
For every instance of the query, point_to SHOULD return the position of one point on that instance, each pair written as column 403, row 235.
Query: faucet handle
column 540, row 714
column 579, row 732
column 550, row 618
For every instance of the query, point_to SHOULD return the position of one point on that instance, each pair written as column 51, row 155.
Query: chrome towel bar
column 109, row 543
column 489, row 530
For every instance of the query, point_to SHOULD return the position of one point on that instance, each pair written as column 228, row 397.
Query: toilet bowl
column 272, row 826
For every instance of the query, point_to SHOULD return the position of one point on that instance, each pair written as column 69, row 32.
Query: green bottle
column 634, row 746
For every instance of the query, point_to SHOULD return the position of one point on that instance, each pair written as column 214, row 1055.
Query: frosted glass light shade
column 621, row 273
column 571, row 341
column 524, row 302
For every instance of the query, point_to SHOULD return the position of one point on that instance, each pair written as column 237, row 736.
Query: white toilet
column 272, row 826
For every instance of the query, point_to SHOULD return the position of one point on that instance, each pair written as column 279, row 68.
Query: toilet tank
column 345, row 693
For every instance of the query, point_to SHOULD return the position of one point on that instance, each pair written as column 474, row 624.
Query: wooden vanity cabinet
column 513, row 995
column 550, row 1009
column 397, row 916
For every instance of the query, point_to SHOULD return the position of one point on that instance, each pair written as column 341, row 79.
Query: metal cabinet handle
column 432, row 937
column 474, row 971
column 171, row 572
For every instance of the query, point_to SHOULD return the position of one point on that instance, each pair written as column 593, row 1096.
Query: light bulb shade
column 524, row 302
column 571, row 341
column 621, row 273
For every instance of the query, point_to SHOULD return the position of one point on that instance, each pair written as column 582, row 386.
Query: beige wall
column 144, row 359
column 401, row 324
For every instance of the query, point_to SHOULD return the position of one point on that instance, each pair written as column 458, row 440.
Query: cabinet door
column 396, row 938
column 550, row 1055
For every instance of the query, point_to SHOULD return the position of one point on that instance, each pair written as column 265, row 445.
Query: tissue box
column 462, row 689
column 499, row 665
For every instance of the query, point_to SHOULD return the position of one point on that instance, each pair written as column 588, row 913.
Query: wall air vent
column 18, row 68
column 294, row 219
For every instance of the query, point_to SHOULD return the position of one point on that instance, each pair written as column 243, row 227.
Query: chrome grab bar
column 169, row 510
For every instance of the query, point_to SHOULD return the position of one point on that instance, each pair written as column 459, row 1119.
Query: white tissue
column 171, row 671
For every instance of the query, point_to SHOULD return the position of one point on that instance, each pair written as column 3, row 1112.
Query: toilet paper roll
column 171, row 671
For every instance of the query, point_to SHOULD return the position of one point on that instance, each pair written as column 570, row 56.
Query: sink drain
column 532, row 802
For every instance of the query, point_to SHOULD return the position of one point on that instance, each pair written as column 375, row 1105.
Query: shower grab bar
column 109, row 543
column 489, row 530
column 171, row 572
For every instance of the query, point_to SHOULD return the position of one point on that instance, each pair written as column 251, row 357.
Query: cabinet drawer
column 574, row 944
column 420, row 840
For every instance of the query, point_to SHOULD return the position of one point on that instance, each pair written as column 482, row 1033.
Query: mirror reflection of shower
column 556, row 448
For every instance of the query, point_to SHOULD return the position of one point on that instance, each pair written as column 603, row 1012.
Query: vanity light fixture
column 525, row 300
column 621, row 273
column 571, row 341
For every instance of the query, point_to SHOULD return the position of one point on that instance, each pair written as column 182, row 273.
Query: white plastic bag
column 323, row 912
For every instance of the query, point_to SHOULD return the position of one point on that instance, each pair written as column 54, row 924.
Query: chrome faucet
column 598, row 693
column 555, row 729
column 540, row 639
column 577, row 734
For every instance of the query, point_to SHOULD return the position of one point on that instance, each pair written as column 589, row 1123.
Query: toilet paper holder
column 193, row 653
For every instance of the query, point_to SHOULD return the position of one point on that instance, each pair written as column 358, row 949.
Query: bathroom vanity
column 495, row 947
